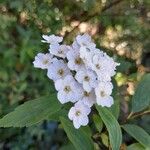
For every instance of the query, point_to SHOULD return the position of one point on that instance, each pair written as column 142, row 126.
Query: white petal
column 76, row 123
column 62, row 97
column 80, row 76
column 71, row 113
column 83, row 120
column 59, row 84
column 87, row 86
column 80, row 105
column 69, row 79
column 108, row 102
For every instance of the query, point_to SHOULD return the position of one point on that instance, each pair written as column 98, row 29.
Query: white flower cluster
column 81, row 73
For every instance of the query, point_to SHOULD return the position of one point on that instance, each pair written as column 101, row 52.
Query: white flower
column 42, row 60
column 59, row 50
column 89, row 98
column 76, row 46
column 74, row 60
column 51, row 39
column 88, row 78
column 79, row 114
column 57, row 69
column 68, row 90
column 98, row 62
column 87, row 55
column 85, row 40
column 104, row 66
column 99, row 65
column 112, row 65
column 103, row 92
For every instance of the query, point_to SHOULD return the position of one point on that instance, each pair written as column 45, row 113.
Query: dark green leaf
column 141, row 98
column 68, row 147
column 57, row 115
column 124, row 66
column 98, row 122
column 115, row 108
column 138, row 133
column 112, row 126
column 79, row 138
column 31, row 112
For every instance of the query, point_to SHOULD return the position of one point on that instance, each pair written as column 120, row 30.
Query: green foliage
column 136, row 146
column 122, row 30
column 68, row 147
column 31, row 112
column 138, row 133
column 80, row 139
column 141, row 98
column 115, row 109
column 112, row 126
column 98, row 122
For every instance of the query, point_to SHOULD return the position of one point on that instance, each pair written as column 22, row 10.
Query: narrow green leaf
column 31, row 112
column 141, row 98
column 98, row 122
column 115, row 108
column 68, row 146
column 136, row 146
column 105, row 139
column 138, row 133
column 79, row 138
column 112, row 126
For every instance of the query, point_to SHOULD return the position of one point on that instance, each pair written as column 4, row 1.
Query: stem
column 135, row 115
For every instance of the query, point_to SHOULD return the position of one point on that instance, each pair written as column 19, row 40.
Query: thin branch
column 135, row 115
column 93, row 15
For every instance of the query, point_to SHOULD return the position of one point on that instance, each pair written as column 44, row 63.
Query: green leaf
column 105, row 139
column 124, row 66
column 79, row 138
column 98, row 122
column 57, row 115
column 112, row 126
column 115, row 108
column 138, row 133
column 141, row 98
column 31, row 112
column 135, row 146
column 69, row 146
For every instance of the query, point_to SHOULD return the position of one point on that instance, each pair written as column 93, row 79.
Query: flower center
column 102, row 93
column 78, row 113
column 78, row 61
column 61, row 72
column 97, row 66
column 86, row 94
column 86, row 78
column 83, row 44
column 67, row 89
column 60, row 51
column 45, row 61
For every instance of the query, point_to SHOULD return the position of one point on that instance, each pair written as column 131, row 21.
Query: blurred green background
column 120, row 27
